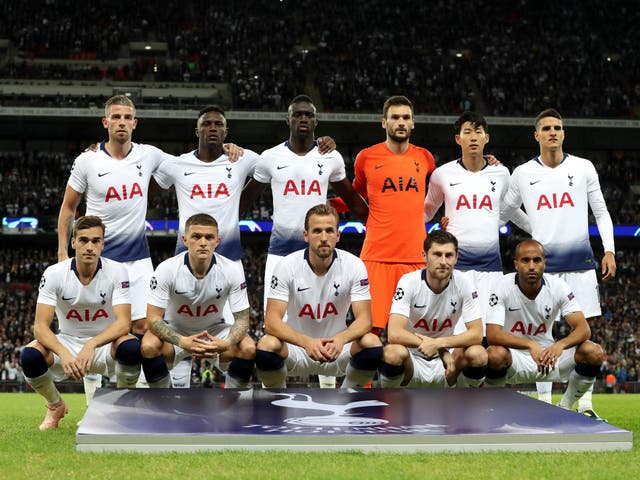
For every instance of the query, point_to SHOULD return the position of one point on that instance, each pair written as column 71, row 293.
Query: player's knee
column 33, row 362
column 247, row 348
column 241, row 368
column 150, row 347
column 367, row 359
column 369, row 340
column 394, row 354
column 589, row 352
column 266, row 360
column 128, row 352
column 155, row 369
column 476, row 356
column 269, row 343
column 497, row 357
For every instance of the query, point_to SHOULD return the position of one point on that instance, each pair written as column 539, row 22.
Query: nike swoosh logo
column 378, row 166
column 188, row 173
column 103, row 174
column 533, row 183
column 300, row 289
column 451, row 184
column 180, row 293
column 513, row 309
column 65, row 299
column 419, row 306
column 280, row 167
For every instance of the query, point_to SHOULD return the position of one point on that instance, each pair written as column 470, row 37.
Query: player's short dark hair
column 516, row 252
column 440, row 237
column 395, row 101
column 122, row 100
column 86, row 222
column 549, row 112
column 474, row 118
column 300, row 99
column 203, row 219
column 212, row 108
column 321, row 209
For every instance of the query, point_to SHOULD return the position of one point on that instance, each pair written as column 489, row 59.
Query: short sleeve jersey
column 435, row 314
column 523, row 317
column 192, row 305
column 213, row 188
column 117, row 192
column 395, row 187
column 298, row 182
column 318, row 305
column 472, row 203
column 84, row 310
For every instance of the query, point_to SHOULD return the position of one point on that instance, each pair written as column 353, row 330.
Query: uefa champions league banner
column 30, row 225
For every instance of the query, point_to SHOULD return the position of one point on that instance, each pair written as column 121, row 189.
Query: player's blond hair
column 118, row 100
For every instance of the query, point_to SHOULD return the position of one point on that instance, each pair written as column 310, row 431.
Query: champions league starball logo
column 338, row 416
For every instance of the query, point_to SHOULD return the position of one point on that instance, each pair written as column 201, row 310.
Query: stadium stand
column 445, row 61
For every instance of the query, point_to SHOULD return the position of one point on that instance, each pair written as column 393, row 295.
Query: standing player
column 392, row 176
column 427, row 305
column 300, row 177
column 188, row 293
column 315, row 287
column 557, row 189
column 472, row 191
column 89, row 295
column 522, row 310
column 115, row 179
column 207, row 181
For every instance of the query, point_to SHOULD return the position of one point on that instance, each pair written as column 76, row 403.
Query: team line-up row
column 388, row 193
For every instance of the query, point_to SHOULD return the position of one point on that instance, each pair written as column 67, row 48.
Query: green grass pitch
column 27, row 453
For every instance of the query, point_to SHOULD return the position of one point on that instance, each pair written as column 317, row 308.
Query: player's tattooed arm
column 164, row 332
column 239, row 328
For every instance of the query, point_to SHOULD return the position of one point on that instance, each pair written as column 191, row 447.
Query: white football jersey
column 192, row 305
column 557, row 205
column 523, row 317
column 213, row 188
column 298, row 182
column 84, row 310
column 435, row 314
column 472, row 201
column 318, row 305
column 117, row 191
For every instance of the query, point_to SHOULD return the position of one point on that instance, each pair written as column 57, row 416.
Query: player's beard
column 399, row 139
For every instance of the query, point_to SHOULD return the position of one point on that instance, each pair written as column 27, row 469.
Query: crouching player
column 90, row 297
column 519, row 330
column 185, row 310
column 315, row 287
column 423, row 350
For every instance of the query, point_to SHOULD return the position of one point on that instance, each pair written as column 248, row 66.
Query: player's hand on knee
column 317, row 350
column 71, row 366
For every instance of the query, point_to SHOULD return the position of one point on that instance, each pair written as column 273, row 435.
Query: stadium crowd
column 445, row 61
